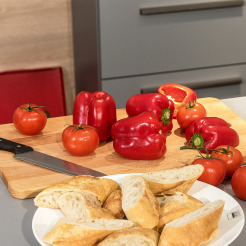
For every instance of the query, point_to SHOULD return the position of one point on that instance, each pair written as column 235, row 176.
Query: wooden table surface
column 25, row 180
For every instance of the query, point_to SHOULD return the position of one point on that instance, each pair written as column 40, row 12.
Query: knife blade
column 28, row 154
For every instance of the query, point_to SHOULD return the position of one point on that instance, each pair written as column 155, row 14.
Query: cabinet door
column 224, row 82
column 134, row 43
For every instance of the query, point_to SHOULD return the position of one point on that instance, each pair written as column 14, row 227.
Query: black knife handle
column 14, row 147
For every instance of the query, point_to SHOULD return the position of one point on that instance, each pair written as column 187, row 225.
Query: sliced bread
column 101, row 187
column 174, row 206
column 77, row 206
column 113, row 204
column 138, row 202
column 172, row 180
column 70, row 232
column 194, row 228
column 135, row 236
column 49, row 196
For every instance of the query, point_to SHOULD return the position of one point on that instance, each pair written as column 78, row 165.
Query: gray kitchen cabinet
column 125, row 47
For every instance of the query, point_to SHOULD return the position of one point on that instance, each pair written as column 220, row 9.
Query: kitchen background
column 127, row 47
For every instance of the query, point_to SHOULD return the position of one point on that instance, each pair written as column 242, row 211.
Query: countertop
column 16, row 215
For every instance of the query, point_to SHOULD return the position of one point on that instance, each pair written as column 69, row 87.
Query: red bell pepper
column 159, row 104
column 95, row 109
column 138, row 137
column 179, row 94
column 211, row 132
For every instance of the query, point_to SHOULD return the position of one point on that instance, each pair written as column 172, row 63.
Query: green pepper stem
column 197, row 140
column 165, row 117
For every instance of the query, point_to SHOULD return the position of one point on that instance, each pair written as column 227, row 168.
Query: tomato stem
column 29, row 108
column 191, row 104
column 226, row 151
column 79, row 127
column 198, row 148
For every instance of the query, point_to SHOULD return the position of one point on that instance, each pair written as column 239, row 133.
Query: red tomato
column 238, row 182
column 232, row 158
column 80, row 140
column 189, row 113
column 214, row 170
column 29, row 119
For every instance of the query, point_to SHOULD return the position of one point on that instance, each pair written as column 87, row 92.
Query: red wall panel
column 43, row 87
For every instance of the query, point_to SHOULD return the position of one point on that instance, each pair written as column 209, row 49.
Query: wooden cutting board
column 25, row 180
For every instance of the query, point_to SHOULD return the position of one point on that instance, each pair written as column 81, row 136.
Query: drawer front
column 132, row 43
column 224, row 82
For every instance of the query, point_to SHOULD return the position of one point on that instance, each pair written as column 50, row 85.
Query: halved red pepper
column 159, row 104
column 138, row 137
column 179, row 94
column 95, row 109
column 211, row 132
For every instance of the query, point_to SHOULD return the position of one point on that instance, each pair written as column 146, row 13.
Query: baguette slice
column 194, row 228
column 135, row 236
column 172, row 180
column 49, row 196
column 77, row 206
column 175, row 206
column 101, row 187
column 139, row 203
column 70, row 232
column 113, row 204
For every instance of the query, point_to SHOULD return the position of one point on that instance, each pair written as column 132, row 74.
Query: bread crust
column 178, row 206
column 193, row 233
column 83, row 232
column 113, row 204
column 101, row 187
column 145, row 210
column 160, row 182
column 132, row 236
column 97, row 188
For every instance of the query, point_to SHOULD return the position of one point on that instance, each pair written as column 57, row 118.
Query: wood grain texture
column 38, row 34
column 25, row 180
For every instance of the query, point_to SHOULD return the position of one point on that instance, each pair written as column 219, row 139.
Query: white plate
column 230, row 225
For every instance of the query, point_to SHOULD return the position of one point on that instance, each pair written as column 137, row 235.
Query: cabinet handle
column 190, row 7
column 201, row 84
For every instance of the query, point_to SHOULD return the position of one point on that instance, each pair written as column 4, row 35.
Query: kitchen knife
column 28, row 154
